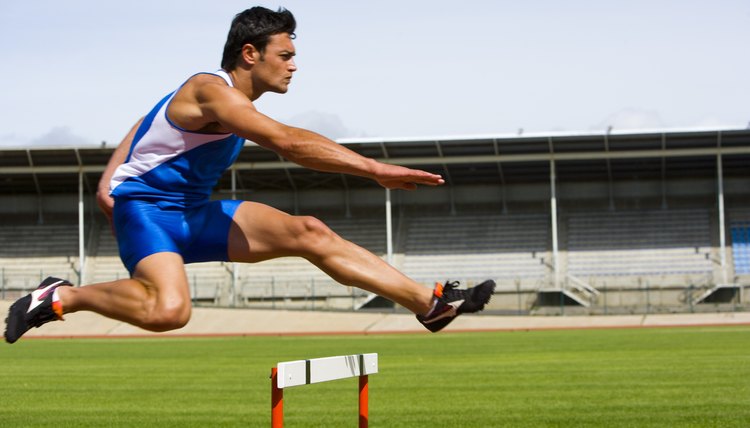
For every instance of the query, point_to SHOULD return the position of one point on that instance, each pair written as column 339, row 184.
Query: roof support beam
column 553, row 215
column 347, row 201
column 81, row 229
column 610, row 183
column 288, row 176
column 722, row 229
column 385, row 151
column 503, row 192
column 40, row 218
column 530, row 157
column 664, row 173
column 448, row 178
column 432, row 160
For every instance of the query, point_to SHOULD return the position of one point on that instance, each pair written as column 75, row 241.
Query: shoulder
column 194, row 105
column 207, row 79
column 207, row 88
column 208, row 91
column 204, row 82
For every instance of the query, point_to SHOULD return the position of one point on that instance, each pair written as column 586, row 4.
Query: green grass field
column 683, row 377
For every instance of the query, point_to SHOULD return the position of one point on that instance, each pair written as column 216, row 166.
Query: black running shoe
column 452, row 302
column 34, row 309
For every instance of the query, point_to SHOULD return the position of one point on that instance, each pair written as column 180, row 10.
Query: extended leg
column 261, row 232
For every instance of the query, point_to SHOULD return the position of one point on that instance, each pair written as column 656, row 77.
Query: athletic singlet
column 170, row 164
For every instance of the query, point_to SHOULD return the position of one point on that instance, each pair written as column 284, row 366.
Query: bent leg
column 261, row 232
column 157, row 298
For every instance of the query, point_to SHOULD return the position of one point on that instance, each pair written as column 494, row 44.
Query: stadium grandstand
column 613, row 222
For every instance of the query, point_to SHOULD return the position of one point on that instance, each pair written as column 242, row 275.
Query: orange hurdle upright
column 305, row 372
column 363, row 401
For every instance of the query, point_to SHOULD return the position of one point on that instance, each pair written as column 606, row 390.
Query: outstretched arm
column 317, row 152
column 105, row 202
column 238, row 115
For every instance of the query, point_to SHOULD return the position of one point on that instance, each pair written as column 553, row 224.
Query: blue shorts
column 198, row 233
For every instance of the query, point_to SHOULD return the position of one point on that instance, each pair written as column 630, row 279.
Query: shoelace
column 450, row 288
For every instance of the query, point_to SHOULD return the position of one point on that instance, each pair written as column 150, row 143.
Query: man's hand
column 106, row 203
column 399, row 177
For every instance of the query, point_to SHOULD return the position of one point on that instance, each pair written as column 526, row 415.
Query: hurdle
column 305, row 372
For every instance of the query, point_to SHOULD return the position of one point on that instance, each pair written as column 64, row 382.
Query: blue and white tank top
column 170, row 164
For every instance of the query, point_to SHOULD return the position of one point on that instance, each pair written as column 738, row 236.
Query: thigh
column 260, row 232
column 142, row 229
column 207, row 230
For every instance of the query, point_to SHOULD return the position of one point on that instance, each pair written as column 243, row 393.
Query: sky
column 79, row 73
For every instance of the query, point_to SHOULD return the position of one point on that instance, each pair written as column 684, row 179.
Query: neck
column 242, row 80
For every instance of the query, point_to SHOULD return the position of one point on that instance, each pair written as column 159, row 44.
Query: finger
column 424, row 177
column 430, row 181
column 409, row 186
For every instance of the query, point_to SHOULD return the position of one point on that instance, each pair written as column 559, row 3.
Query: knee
column 313, row 234
column 168, row 315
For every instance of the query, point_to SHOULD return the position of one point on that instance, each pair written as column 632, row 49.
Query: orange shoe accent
column 57, row 307
column 438, row 290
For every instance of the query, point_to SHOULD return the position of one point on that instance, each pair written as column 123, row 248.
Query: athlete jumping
column 157, row 185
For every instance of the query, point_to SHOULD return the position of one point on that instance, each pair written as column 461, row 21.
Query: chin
column 282, row 90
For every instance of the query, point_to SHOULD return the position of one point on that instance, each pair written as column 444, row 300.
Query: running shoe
column 34, row 309
column 451, row 302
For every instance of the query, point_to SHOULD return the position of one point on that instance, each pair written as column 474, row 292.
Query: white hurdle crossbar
column 305, row 372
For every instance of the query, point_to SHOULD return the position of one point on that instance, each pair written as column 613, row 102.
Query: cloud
column 13, row 140
column 632, row 118
column 327, row 124
column 56, row 137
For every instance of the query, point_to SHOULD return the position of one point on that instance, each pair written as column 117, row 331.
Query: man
column 157, row 185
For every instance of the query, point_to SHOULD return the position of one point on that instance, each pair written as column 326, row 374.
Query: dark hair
column 255, row 26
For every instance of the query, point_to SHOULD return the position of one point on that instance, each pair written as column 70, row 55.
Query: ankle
column 65, row 299
column 427, row 304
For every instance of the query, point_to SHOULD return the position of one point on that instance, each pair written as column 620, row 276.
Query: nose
column 292, row 66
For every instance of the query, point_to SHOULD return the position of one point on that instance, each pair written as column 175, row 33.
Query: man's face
column 273, row 69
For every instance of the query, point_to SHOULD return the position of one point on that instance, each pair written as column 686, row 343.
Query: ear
column 249, row 54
